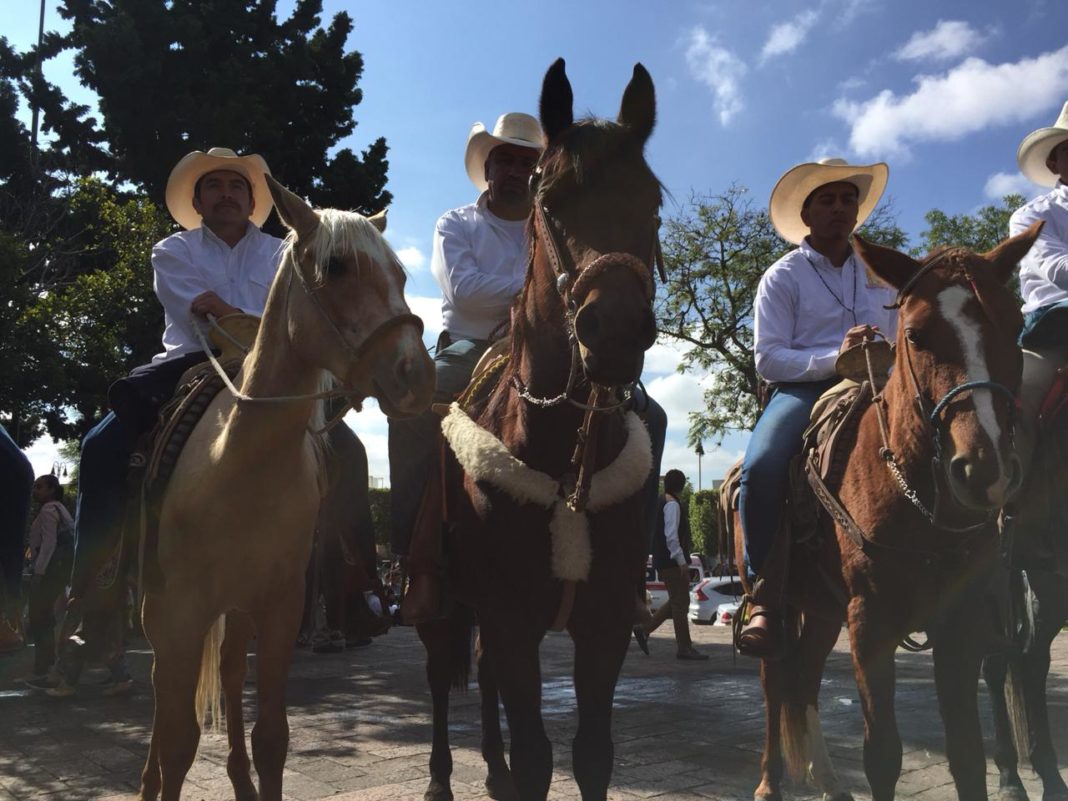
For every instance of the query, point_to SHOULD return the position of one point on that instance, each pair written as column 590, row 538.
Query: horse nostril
column 961, row 470
column 586, row 324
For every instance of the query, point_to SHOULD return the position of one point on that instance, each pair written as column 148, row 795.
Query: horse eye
column 913, row 336
column 335, row 266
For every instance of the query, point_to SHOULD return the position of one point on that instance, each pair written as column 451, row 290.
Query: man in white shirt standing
column 220, row 264
column 479, row 259
column 1043, row 158
column 815, row 302
column 672, row 544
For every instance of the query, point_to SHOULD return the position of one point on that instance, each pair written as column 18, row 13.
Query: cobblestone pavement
column 360, row 728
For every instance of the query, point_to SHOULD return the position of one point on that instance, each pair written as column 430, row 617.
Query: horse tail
column 1014, row 702
column 209, row 683
column 794, row 737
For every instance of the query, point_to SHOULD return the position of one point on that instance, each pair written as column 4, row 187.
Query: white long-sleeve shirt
column 1044, row 270
column 191, row 262
column 44, row 533
column 802, row 312
column 671, row 532
column 480, row 263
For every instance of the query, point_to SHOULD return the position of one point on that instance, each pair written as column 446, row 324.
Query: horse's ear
column 379, row 221
column 555, row 108
column 638, row 110
column 893, row 267
column 1006, row 256
column 295, row 213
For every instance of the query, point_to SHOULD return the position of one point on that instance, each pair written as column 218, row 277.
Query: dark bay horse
column 534, row 538
column 1042, row 596
column 931, row 463
column 1039, row 590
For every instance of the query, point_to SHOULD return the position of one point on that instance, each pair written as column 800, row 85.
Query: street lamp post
column 700, row 451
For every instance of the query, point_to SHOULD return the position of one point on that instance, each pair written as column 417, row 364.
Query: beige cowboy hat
column 799, row 182
column 513, row 128
column 193, row 165
column 1036, row 147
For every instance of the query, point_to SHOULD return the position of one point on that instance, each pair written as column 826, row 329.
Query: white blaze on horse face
column 951, row 301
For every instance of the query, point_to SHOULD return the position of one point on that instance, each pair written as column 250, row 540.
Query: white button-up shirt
column 804, row 305
column 480, row 262
column 1044, row 270
column 191, row 262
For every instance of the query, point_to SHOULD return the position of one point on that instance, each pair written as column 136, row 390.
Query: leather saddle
column 153, row 461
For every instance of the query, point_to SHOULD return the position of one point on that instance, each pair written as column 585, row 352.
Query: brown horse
column 581, row 327
column 239, row 512
column 931, row 463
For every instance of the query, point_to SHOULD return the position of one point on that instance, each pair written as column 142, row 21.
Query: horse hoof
column 1060, row 794
column 437, row 791
column 1014, row 793
column 763, row 794
column 501, row 787
column 841, row 795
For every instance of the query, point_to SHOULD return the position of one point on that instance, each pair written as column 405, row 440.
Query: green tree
column 979, row 232
column 704, row 522
column 715, row 251
column 227, row 73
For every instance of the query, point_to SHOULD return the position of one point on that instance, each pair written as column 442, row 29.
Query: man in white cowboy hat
column 815, row 302
column 479, row 259
column 1043, row 158
column 220, row 264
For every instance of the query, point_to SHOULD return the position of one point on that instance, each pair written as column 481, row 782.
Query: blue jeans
column 411, row 442
column 766, row 467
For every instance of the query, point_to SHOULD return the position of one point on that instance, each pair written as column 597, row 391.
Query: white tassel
column 572, row 553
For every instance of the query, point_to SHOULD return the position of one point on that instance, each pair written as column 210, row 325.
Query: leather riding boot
column 424, row 565
column 762, row 635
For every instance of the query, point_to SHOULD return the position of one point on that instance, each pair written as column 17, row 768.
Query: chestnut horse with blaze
column 913, row 522
column 544, row 470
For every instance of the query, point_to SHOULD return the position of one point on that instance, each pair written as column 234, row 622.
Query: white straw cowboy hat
column 799, row 182
column 514, row 128
column 193, row 165
column 1036, row 147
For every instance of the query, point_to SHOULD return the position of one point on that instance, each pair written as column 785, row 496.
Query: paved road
column 361, row 727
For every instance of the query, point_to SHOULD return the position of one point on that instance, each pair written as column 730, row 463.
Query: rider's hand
column 856, row 335
column 209, row 303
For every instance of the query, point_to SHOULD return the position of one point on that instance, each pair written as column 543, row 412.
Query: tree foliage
column 979, row 232
column 715, row 251
column 80, row 212
column 226, row 73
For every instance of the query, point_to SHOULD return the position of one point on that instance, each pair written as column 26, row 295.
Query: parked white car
column 656, row 591
column 715, row 600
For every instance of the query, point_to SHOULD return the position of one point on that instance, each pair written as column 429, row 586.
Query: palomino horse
column 931, row 463
column 580, row 329
column 238, row 516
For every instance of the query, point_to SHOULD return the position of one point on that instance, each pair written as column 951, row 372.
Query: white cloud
column 852, row 84
column 788, row 36
column 719, row 69
column 664, row 356
column 429, row 309
column 412, row 258
column 969, row 97
column 825, row 149
column 1004, row 183
column 948, row 40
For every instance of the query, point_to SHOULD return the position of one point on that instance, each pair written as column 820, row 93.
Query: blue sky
column 942, row 91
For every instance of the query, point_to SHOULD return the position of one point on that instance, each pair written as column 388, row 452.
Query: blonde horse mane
column 341, row 232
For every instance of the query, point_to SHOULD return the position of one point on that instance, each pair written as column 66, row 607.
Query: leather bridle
column 932, row 413
column 573, row 284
